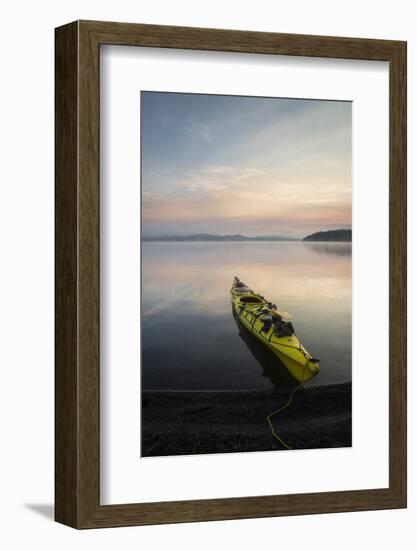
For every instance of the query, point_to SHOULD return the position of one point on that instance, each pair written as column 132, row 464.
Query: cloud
column 248, row 166
column 199, row 129
column 253, row 199
column 218, row 179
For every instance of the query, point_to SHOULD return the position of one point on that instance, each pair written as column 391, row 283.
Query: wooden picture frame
column 77, row 382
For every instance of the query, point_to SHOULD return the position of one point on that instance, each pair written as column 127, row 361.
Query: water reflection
column 189, row 338
column 272, row 367
column 336, row 249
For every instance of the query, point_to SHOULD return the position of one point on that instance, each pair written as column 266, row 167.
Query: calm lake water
column 190, row 338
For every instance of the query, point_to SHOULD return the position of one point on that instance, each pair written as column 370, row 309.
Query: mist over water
column 190, row 339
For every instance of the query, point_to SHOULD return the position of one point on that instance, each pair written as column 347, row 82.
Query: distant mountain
column 337, row 235
column 198, row 237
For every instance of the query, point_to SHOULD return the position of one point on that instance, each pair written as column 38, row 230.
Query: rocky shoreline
column 193, row 422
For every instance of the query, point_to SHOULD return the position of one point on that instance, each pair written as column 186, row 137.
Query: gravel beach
column 193, row 422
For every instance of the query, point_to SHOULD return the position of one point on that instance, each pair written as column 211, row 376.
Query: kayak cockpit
column 251, row 300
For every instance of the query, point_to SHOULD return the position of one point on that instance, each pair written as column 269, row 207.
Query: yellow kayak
column 272, row 328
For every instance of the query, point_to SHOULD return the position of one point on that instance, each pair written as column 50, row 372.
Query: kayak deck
column 267, row 324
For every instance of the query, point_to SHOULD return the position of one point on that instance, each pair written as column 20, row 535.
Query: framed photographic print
column 230, row 274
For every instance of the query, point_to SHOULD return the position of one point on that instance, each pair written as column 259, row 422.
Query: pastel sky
column 255, row 166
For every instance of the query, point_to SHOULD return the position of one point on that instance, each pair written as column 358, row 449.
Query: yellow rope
column 268, row 418
column 287, row 404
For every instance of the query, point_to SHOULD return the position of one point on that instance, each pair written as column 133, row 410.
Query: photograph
column 246, row 273
column 208, row 262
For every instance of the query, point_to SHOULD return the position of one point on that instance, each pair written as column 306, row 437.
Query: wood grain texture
column 66, row 237
column 78, row 284
column 398, row 272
